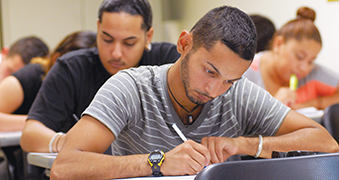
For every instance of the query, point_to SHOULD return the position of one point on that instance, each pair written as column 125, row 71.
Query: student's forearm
column 12, row 122
column 321, row 102
column 75, row 164
column 309, row 139
column 36, row 137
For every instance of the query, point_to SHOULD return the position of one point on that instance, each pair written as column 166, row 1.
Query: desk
column 46, row 160
column 10, row 138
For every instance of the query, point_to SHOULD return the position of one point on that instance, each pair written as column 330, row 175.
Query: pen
column 293, row 82
column 182, row 136
column 75, row 117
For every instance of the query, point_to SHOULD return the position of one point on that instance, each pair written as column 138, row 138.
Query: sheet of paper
column 311, row 112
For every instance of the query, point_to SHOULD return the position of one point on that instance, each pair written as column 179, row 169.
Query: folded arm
column 11, row 98
column 297, row 132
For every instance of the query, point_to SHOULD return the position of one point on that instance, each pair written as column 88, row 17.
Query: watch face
column 155, row 156
column 155, row 159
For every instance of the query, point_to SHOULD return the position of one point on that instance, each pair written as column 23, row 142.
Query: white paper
column 311, row 112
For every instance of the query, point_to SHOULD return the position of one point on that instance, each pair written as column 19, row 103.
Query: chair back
column 311, row 167
column 331, row 120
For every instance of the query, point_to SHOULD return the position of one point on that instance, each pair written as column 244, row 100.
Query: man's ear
column 185, row 42
column 149, row 36
column 98, row 24
column 277, row 42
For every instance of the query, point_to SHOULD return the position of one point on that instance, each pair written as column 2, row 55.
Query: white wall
column 281, row 11
column 53, row 20
column 48, row 19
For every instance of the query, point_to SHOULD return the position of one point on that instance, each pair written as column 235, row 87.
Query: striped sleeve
column 256, row 110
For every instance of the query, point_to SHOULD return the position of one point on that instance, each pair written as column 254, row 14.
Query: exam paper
column 311, row 112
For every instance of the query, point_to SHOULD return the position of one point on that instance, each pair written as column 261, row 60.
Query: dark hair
column 133, row 7
column 306, row 13
column 76, row 40
column 28, row 48
column 229, row 25
column 265, row 31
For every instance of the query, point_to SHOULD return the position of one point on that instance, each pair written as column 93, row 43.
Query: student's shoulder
column 80, row 56
column 145, row 73
column 30, row 70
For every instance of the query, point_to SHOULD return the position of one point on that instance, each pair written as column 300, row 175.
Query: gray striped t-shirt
column 135, row 105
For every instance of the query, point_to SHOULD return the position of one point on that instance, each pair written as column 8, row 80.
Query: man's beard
column 184, row 73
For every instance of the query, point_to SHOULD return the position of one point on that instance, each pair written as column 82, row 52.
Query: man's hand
column 220, row 148
column 187, row 158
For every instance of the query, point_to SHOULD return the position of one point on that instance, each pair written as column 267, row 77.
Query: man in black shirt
column 124, row 36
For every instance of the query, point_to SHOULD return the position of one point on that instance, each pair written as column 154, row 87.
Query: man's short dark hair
column 28, row 48
column 229, row 25
column 132, row 7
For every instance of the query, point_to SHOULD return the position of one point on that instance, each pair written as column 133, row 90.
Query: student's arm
column 11, row 98
column 297, row 132
column 321, row 102
column 36, row 137
column 81, row 157
column 50, row 112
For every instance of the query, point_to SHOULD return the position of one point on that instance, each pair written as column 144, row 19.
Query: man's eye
column 129, row 44
column 209, row 72
column 300, row 57
column 108, row 40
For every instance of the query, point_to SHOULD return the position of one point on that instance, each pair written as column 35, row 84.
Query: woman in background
column 294, row 50
column 17, row 92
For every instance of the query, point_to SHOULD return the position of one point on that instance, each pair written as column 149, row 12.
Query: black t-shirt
column 30, row 78
column 71, row 84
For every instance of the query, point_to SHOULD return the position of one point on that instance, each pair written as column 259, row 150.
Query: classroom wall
column 47, row 19
column 53, row 20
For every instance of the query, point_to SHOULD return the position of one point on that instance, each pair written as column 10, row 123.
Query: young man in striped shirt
column 203, row 93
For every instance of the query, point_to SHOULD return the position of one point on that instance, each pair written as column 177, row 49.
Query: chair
column 322, row 166
column 331, row 120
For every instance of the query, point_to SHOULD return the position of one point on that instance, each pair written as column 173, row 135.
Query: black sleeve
column 30, row 78
column 161, row 53
column 54, row 103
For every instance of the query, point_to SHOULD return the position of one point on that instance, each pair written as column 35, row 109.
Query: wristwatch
column 155, row 159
